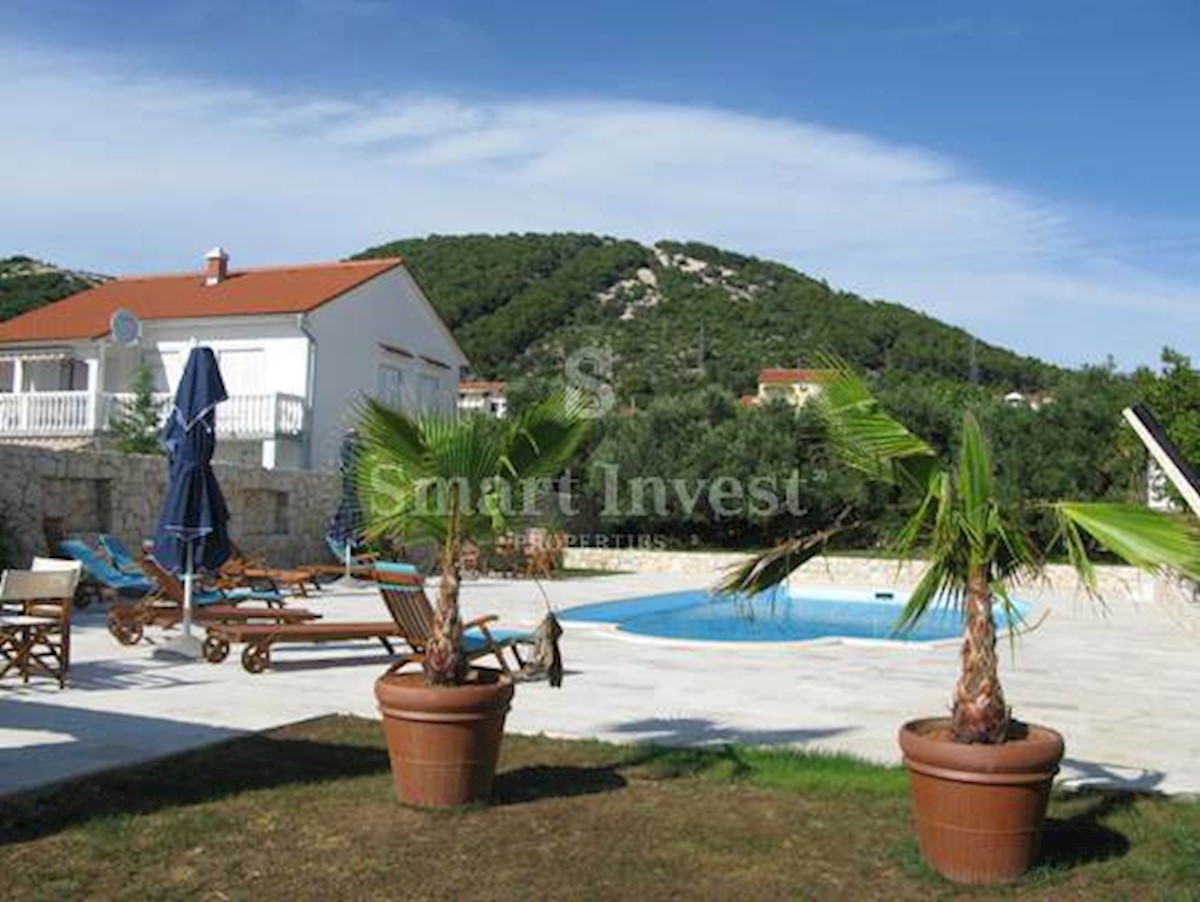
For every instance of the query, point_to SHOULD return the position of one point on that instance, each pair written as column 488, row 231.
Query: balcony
column 79, row 414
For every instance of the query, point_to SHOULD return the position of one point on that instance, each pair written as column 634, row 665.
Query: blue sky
column 1026, row 170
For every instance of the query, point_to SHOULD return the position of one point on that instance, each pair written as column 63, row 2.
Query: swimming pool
column 787, row 617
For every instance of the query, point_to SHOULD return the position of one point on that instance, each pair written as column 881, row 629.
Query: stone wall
column 280, row 514
column 1113, row 582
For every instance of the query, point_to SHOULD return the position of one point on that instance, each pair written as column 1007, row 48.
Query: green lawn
column 307, row 812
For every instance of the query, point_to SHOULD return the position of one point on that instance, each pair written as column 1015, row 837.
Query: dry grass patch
column 307, row 812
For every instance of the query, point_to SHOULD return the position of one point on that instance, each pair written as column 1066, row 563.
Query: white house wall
column 350, row 332
column 165, row 346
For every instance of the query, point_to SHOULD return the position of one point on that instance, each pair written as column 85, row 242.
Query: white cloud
column 116, row 170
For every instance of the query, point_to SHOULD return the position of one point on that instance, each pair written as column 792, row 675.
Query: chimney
column 217, row 266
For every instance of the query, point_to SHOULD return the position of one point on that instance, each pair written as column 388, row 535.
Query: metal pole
column 1160, row 448
column 187, row 591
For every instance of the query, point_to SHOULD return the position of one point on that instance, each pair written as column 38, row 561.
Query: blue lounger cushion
column 120, row 553
column 473, row 639
column 101, row 570
column 396, row 567
column 207, row 597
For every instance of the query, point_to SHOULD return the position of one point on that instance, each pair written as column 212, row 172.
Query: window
column 389, row 385
column 74, row 375
column 244, row 372
column 427, row 391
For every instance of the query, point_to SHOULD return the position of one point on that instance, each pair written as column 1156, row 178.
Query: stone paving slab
column 1119, row 685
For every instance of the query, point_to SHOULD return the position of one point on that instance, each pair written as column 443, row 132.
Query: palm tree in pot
column 980, row 779
column 448, row 480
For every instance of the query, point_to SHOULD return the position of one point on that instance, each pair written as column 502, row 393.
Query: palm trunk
column 444, row 661
column 980, row 714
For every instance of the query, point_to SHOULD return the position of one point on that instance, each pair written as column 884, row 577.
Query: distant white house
column 1033, row 400
column 483, row 397
column 793, row 386
column 298, row 347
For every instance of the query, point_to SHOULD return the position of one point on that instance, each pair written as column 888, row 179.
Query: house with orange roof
column 793, row 386
column 297, row 345
column 481, row 396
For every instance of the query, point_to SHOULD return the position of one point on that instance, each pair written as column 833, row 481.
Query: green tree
column 135, row 426
column 446, row 479
column 969, row 531
column 1174, row 396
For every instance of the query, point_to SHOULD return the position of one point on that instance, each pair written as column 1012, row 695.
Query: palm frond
column 1150, row 540
column 543, row 439
column 938, row 583
column 384, row 428
column 409, row 464
column 867, row 437
column 769, row 569
column 975, row 483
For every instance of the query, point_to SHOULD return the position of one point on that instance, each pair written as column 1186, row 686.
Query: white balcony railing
column 72, row 414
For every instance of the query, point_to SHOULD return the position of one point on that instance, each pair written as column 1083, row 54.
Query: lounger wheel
column 126, row 633
column 216, row 649
column 256, row 658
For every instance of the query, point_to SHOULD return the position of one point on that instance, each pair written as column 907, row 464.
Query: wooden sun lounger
column 404, row 595
column 254, row 572
column 128, row 628
column 299, row 581
column 260, row 637
column 164, row 608
column 357, row 571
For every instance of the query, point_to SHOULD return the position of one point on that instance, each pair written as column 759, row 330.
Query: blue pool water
column 782, row 618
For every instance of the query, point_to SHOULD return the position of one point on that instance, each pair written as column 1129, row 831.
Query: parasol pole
column 187, row 590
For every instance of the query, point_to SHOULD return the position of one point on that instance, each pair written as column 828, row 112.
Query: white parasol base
column 186, row 646
column 179, row 648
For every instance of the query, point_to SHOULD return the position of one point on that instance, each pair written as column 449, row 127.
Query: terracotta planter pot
column 443, row 741
column 979, row 808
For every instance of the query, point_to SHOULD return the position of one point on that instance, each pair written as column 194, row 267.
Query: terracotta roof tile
column 778, row 376
column 246, row 292
column 482, row 385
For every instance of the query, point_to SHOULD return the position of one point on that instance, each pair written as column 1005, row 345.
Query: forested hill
column 26, row 283
column 678, row 315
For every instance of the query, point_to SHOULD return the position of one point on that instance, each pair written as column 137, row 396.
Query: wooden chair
column 543, row 553
column 403, row 592
column 470, row 560
column 505, row 556
column 35, row 638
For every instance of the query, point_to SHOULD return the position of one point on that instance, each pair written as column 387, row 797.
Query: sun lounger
column 164, row 608
column 403, row 592
column 120, row 555
column 241, row 570
column 261, row 637
column 98, row 570
column 358, row 566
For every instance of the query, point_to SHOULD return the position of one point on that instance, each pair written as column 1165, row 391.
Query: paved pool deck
column 1121, row 685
